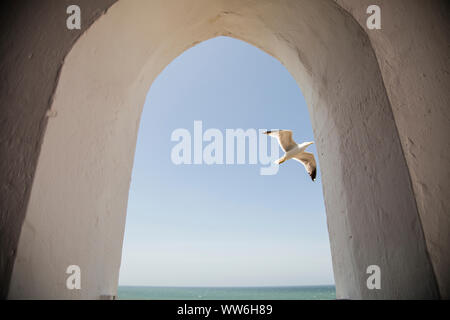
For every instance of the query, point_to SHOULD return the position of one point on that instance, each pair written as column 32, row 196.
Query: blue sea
column 227, row 293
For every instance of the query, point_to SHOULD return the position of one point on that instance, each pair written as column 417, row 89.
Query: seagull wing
column 284, row 138
column 308, row 160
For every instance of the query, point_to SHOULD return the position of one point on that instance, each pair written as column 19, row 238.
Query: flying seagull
column 294, row 151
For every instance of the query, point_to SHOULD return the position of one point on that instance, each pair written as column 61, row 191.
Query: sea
column 325, row 292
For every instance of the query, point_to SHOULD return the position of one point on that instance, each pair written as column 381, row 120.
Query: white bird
column 294, row 151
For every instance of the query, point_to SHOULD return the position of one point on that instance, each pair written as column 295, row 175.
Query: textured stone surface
column 377, row 196
column 33, row 44
column 413, row 51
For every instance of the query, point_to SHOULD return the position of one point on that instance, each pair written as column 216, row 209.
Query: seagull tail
column 280, row 161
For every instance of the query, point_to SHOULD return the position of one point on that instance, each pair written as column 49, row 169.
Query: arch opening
column 202, row 227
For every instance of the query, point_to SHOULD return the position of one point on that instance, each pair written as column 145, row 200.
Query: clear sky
column 223, row 225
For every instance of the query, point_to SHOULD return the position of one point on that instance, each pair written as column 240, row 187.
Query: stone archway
column 76, row 210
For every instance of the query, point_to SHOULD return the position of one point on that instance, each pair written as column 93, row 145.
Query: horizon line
column 230, row 286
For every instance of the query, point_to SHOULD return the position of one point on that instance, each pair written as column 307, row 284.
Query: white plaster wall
column 413, row 51
column 77, row 206
column 34, row 41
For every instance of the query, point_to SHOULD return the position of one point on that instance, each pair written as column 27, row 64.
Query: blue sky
column 223, row 225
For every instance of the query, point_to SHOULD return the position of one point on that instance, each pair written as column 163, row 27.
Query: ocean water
column 227, row 293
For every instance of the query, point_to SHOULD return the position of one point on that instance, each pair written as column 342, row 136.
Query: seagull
column 294, row 151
